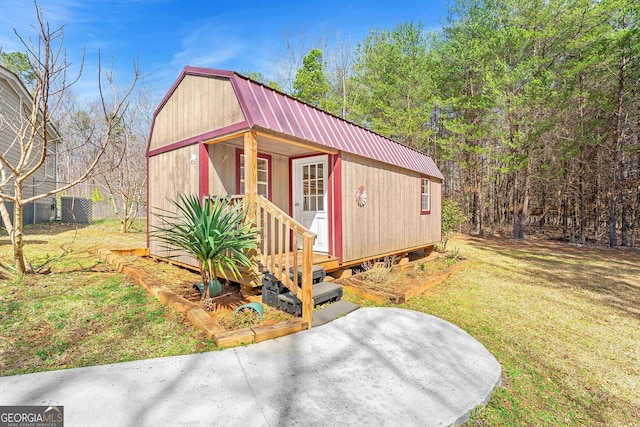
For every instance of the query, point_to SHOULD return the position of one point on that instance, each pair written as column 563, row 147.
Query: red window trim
column 239, row 152
column 423, row 212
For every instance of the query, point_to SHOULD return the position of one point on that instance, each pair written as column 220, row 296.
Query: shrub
column 452, row 217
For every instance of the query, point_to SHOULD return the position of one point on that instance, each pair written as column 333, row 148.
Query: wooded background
column 531, row 109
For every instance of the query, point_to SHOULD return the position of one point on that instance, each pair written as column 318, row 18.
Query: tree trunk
column 479, row 205
column 613, row 201
column 542, row 221
column 123, row 220
column 624, row 226
column 613, row 241
column 525, row 200
column 597, row 230
column 583, row 210
column 492, row 206
column 516, row 206
column 617, row 142
column 16, row 234
column 204, row 274
column 581, row 183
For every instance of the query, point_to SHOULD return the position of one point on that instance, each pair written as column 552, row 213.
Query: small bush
column 452, row 217
column 453, row 257
column 376, row 272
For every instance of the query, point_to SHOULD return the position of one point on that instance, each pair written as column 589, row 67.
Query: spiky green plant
column 214, row 232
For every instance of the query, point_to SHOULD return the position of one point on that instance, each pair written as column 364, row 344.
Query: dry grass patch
column 403, row 278
column 397, row 283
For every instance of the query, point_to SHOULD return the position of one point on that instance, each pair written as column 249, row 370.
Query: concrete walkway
column 375, row 366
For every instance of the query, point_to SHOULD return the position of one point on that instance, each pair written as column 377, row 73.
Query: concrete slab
column 380, row 366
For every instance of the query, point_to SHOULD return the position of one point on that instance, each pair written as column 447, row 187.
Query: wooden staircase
column 276, row 294
column 285, row 247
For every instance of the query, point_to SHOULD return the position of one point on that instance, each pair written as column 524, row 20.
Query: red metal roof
column 270, row 109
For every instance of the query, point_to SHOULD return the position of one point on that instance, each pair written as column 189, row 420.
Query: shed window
column 425, row 196
column 263, row 176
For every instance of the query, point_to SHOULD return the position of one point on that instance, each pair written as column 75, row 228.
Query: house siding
column 391, row 220
column 15, row 103
column 170, row 174
column 222, row 169
column 196, row 106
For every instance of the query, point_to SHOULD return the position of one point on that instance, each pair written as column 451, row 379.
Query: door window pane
column 313, row 187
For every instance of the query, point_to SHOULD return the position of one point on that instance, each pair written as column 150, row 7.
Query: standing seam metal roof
column 270, row 109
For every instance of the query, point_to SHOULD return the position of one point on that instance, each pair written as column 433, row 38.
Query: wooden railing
column 281, row 237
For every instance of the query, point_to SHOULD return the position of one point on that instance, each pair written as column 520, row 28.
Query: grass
column 563, row 321
column 83, row 313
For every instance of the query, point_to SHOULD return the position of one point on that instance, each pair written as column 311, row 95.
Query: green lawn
column 83, row 313
column 563, row 321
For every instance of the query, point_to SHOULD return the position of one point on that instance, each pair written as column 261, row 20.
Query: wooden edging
column 195, row 314
column 435, row 279
column 365, row 290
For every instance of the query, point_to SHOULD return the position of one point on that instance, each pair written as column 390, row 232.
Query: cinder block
column 269, row 297
column 322, row 293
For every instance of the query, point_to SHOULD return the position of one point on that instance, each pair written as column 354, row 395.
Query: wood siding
column 198, row 105
column 390, row 220
column 280, row 181
column 11, row 120
column 222, row 169
column 170, row 173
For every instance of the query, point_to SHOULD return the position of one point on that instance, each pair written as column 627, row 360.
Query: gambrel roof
column 267, row 108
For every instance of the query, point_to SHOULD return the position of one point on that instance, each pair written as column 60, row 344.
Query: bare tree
column 340, row 70
column 32, row 124
column 287, row 61
column 125, row 173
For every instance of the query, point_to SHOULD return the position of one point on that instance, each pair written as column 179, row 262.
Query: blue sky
column 166, row 35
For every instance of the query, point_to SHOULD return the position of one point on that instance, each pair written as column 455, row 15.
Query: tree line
column 531, row 109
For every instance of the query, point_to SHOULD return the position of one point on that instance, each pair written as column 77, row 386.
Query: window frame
column 240, row 168
column 424, row 211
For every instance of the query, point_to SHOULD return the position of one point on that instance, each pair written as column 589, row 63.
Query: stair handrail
column 274, row 251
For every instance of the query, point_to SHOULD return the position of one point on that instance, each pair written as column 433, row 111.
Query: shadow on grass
column 609, row 276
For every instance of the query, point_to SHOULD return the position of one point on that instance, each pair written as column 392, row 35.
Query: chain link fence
column 89, row 203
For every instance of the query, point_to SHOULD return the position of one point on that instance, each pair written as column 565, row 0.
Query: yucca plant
column 214, row 232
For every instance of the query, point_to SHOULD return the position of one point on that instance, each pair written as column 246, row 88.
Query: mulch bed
column 181, row 281
column 402, row 282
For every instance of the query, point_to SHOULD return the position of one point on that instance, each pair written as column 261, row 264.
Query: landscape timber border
column 196, row 315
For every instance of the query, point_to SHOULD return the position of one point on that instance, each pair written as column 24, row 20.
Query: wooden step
column 318, row 273
column 322, row 292
column 332, row 312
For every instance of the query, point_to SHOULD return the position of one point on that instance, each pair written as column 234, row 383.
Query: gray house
column 15, row 108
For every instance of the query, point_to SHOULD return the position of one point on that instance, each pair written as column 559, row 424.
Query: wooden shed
column 333, row 191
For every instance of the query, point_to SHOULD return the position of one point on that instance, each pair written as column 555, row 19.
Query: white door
column 310, row 204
